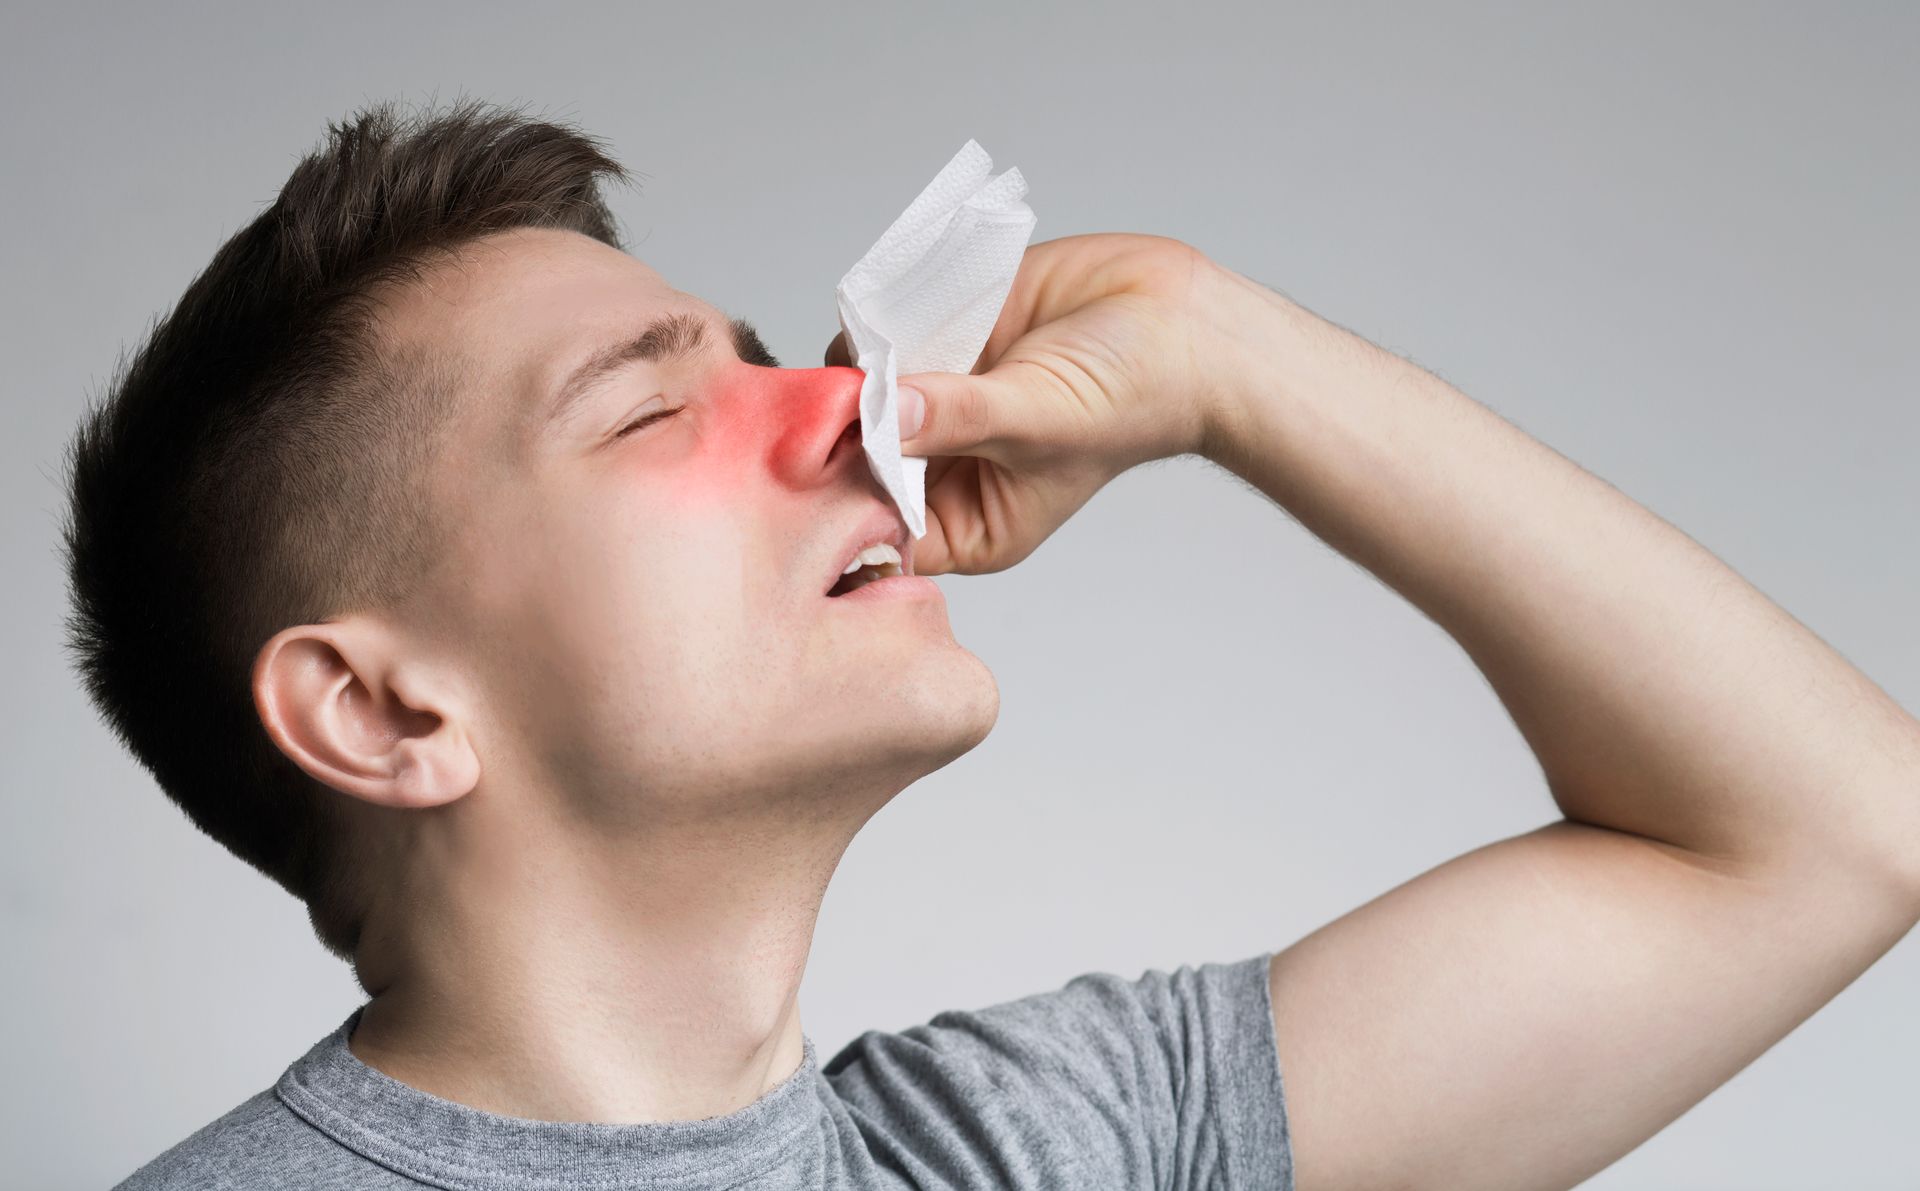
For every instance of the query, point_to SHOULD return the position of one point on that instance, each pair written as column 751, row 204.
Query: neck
column 552, row 976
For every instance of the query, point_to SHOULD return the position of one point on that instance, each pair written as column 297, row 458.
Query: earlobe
column 344, row 703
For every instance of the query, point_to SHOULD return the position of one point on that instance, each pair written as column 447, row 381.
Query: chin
column 929, row 712
column 864, row 739
column 953, row 705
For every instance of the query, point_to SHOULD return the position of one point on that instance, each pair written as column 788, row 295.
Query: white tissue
column 924, row 299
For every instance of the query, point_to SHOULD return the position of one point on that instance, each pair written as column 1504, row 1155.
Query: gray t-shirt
column 1168, row 1081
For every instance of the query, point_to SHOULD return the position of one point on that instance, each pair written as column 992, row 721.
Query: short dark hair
column 257, row 462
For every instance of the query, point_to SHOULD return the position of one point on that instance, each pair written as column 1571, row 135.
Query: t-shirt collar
column 448, row 1144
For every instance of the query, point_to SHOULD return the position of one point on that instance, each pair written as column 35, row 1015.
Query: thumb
column 958, row 414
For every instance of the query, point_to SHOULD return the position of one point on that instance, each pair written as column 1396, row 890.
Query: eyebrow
column 668, row 338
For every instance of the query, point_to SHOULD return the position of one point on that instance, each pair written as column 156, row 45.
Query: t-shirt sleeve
column 1171, row 1080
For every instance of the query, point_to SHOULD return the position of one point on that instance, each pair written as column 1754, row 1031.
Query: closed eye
column 651, row 418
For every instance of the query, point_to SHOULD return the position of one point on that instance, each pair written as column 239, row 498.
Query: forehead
column 517, row 308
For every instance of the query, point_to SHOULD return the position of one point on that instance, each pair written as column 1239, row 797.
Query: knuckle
column 1174, row 261
column 969, row 415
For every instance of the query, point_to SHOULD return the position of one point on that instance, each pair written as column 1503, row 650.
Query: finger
column 959, row 414
column 931, row 554
column 837, row 356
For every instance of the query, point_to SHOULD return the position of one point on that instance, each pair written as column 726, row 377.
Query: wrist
column 1252, row 335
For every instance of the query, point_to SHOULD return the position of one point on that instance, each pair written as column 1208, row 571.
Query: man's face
column 635, row 583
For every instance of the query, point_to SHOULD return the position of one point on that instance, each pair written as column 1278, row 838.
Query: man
column 520, row 614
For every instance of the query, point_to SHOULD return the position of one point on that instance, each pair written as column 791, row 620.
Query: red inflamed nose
column 796, row 426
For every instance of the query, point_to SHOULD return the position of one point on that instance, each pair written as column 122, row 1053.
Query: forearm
column 1662, row 694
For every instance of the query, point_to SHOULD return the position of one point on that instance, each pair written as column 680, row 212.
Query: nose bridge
column 815, row 418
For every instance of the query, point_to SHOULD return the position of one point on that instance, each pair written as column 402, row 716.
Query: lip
column 894, row 587
column 882, row 524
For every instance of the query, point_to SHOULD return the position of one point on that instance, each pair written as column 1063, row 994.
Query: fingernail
column 913, row 411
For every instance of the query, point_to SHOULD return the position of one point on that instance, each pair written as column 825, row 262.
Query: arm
column 1742, row 834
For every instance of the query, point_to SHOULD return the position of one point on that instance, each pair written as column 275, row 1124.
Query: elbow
column 1902, row 840
column 1868, row 834
column 1877, row 814
column 1907, row 869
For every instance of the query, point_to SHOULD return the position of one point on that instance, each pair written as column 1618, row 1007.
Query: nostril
column 849, row 437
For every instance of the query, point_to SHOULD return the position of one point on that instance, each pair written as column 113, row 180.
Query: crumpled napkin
column 924, row 299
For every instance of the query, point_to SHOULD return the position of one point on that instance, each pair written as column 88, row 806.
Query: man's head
column 427, row 500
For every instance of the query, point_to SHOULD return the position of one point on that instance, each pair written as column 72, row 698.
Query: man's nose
column 815, row 415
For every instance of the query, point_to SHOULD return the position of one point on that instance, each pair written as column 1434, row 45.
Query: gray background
column 1675, row 242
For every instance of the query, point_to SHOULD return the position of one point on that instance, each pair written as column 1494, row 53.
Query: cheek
column 715, row 461
column 695, row 530
column 690, row 602
column 700, row 591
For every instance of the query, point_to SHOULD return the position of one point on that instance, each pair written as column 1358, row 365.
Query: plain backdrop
column 1676, row 242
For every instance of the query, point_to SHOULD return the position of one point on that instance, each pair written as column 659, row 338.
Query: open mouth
column 878, row 561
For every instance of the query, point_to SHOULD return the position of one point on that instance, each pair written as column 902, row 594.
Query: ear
column 346, row 703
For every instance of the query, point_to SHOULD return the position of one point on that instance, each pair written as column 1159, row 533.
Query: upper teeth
column 873, row 556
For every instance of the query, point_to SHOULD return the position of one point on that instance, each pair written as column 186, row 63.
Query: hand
column 1094, row 366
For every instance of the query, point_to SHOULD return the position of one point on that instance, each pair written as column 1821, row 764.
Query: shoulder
column 1103, row 1079
column 1161, row 1019
column 257, row 1143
